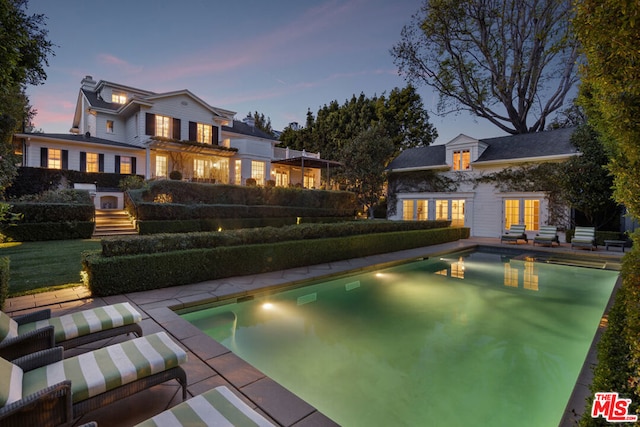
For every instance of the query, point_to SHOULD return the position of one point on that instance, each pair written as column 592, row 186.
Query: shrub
column 38, row 231
column 131, row 182
column 175, row 175
column 251, row 182
column 130, row 273
column 4, row 279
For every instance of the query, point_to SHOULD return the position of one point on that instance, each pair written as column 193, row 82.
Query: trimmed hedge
column 53, row 212
column 4, row 279
column 214, row 224
column 131, row 245
column 32, row 232
column 121, row 274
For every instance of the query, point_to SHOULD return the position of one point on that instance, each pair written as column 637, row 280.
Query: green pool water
column 466, row 339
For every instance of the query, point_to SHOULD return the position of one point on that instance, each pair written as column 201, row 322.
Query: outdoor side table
column 614, row 243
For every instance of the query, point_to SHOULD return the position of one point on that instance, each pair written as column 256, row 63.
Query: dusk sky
column 278, row 58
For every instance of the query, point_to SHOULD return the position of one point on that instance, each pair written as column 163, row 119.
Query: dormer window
column 461, row 160
column 119, row 97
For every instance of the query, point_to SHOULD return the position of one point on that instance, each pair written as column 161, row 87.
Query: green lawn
column 38, row 266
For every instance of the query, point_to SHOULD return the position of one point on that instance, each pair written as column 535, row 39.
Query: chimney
column 249, row 121
column 88, row 83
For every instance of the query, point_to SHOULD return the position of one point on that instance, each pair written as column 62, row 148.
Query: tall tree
column 501, row 60
column 261, row 122
column 365, row 158
column 24, row 50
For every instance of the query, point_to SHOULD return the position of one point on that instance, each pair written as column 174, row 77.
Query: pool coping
column 211, row 364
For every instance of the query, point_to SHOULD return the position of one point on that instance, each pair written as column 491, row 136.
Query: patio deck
column 211, row 364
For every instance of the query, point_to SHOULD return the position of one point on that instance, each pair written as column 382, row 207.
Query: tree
column 501, row 60
column 365, row 158
column 262, row 123
column 24, row 50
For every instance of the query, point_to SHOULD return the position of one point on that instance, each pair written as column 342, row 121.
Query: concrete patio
column 210, row 364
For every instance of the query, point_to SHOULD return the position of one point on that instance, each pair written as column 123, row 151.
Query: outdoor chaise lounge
column 584, row 237
column 215, row 407
column 514, row 233
column 547, row 235
column 38, row 331
column 43, row 389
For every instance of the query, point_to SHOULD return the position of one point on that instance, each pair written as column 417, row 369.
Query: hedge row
column 32, row 232
column 173, row 211
column 4, row 279
column 214, row 224
column 53, row 212
column 121, row 274
column 223, row 194
column 618, row 367
column 131, row 245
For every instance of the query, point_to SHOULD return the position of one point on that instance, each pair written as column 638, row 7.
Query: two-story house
column 126, row 130
column 442, row 182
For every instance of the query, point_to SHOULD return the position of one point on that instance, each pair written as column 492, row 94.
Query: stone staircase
column 113, row 222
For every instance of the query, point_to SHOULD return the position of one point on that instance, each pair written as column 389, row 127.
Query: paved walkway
column 210, row 364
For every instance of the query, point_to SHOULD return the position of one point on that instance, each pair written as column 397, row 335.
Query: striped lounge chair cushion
column 88, row 321
column 11, row 384
column 217, row 407
column 109, row 367
column 8, row 327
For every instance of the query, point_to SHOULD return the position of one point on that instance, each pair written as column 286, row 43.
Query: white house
column 441, row 182
column 121, row 129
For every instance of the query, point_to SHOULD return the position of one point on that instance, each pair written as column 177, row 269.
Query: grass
column 41, row 266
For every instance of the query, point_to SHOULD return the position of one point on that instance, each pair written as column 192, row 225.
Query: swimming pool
column 472, row 338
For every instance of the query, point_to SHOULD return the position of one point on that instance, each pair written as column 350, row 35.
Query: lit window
column 442, row 210
column 161, row 166
column 407, row 210
column 257, row 172
column 457, row 213
column 511, row 212
column 125, row 165
column 461, row 160
column 423, row 210
column 163, row 126
column 309, row 180
column 109, row 126
column 522, row 211
column 532, row 214
column 119, row 97
column 238, row 172
column 282, row 179
column 92, row 162
column 54, row 160
column 198, row 168
column 204, row 134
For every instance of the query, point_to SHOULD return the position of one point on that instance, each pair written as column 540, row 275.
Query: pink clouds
column 119, row 64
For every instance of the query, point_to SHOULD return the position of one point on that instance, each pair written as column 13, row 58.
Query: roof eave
column 536, row 159
column 421, row 168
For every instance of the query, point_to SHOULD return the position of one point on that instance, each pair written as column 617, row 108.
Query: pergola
column 310, row 162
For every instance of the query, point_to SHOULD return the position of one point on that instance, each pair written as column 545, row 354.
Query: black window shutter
column 83, row 161
column 100, row 162
column 44, row 157
column 214, row 135
column 150, row 124
column 133, row 166
column 176, row 129
column 193, row 131
column 65, row 159
column 117, row 164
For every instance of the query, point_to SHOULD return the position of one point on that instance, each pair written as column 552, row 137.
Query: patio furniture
column 584, row 237
column 44, row 389
column 38, row 330
column 515, row 233
column 547, row 235
column 614, row 244
column 218, row 406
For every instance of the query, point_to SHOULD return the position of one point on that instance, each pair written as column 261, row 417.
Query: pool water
column 471, row 338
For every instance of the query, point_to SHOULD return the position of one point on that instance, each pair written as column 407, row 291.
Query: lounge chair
column 547, row 235
column 38, row 331
column 584, row 237
column 44, row 389
column 515, row 233
column 215, row 407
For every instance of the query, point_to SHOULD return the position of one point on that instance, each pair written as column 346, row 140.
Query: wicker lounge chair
column 584, row 237
column 548, row 235
column 38, row 331
column 515, row 233
column 44, row 389
column 218, row 406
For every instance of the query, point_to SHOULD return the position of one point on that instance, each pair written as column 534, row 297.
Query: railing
column 280, row 153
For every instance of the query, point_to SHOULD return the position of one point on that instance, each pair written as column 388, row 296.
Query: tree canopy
column 511, row 62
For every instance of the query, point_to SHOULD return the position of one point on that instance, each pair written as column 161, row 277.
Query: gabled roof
column 244, row 129
column 76, row 138
column 513, row 148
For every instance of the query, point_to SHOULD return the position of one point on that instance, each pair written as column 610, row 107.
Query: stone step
column 110, row 222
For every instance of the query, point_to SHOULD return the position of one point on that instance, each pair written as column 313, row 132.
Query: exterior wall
column 180, row 107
